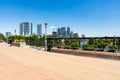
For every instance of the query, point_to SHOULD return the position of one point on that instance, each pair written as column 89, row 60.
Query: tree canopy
column 2, row 37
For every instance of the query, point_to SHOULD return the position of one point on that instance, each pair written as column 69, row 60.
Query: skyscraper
column 59, row 31
column 26, row 29
column 39, row 30
column 68, row 32
column 63, row 31
column 75, row 35
column 71, row 34
column 8, row 34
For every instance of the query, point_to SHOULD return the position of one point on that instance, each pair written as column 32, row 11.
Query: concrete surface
column 30, row 64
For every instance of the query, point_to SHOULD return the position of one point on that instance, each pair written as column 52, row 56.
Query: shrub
column 88, row 47
column 113, row 47
column 74, row 46
column 67, row 47
column 59, row 45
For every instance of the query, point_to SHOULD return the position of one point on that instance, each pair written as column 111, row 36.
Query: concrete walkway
column 30, row 64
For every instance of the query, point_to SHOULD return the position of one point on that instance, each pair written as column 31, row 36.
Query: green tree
column 88, row 47
column 91, row 41
column 2, row 37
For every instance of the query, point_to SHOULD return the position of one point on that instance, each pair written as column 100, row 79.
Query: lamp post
column 15, row 31
column 114, row 40
column 45, row 36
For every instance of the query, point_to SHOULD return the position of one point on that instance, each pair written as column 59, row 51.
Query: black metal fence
column 39, row 45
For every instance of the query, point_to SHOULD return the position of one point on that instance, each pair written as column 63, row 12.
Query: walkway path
column 30, row 64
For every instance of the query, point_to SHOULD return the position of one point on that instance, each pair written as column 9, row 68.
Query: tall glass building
column 59, row 31
column 68, row 32
column 26, row 29
column 8, row 34
column 63, row 31
column 39, row 29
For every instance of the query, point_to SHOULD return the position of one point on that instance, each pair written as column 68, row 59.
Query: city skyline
column 64, row 32
column 88, row 17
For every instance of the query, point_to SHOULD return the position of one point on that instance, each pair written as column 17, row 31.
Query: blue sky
column 89, row 17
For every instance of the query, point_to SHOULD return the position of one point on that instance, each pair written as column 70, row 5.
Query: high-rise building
column 39, row 30
column 75, row 35
column 59, row 31
column 71, row 34
column 68, row 31
column 8, row 34
column 26, row 29
column 83, row 36
column 63, row 31
column 55, row 34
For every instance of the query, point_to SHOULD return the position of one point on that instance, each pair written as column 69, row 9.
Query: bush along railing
column 112, row 48
column 69, row 44
column 89, row 47
column 100, row 45
column 75, row 46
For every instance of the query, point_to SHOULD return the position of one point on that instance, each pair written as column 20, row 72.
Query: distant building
column 8, row 34
column 75, row 35
column 54, row 34
column 63, row 31
column 26, row 29
column 39, row 30
column 68, row 32
column 65, row 34
column 83, row 36
column 71, row 34
column 59, row 31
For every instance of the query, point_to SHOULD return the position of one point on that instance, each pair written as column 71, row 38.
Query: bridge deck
column 30, row 64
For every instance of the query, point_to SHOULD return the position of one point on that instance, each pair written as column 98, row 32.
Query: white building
column 26, row 29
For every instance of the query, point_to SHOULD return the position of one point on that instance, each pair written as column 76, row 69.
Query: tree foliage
column 68, row 44
column 99, row 44
column 2, row 37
